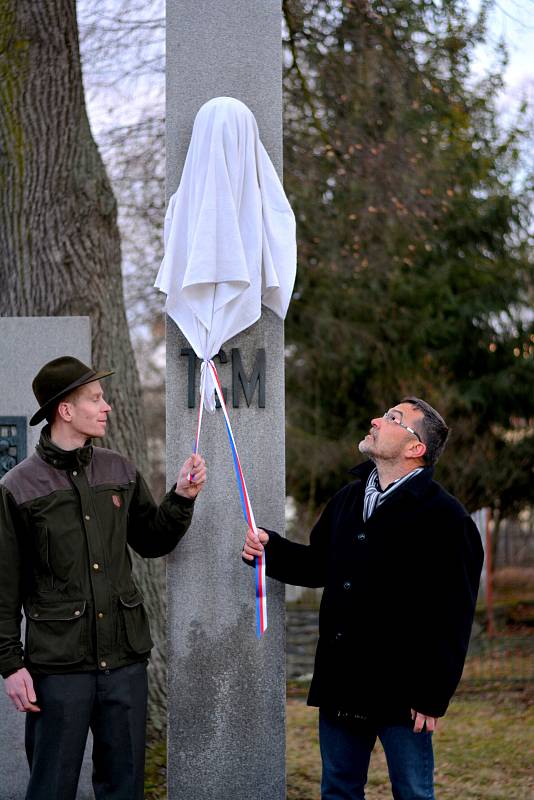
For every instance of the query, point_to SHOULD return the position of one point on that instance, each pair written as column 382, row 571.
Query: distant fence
column 515, row 546
column 501, row 658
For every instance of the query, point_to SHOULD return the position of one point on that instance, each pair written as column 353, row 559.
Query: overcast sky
column 513, row 22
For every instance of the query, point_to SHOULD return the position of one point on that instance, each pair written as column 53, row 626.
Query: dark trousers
column 346, row 751
column 113, row 705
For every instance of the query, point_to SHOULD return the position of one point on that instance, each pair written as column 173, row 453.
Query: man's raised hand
column 192, row 477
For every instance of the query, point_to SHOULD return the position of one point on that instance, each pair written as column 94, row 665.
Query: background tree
column 413, row 209
column 413, row 218
column 59, row 242
column 123, row 59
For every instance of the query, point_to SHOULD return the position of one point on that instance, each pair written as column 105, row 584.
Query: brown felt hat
column 59, row 377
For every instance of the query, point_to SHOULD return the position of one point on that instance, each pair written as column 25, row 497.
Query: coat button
column 74, row 472
column 87, row 517
column 77, row 613
column 96, row 567
column 347, row 585
column 100, row 615
column 361, row 537
column 103, row 664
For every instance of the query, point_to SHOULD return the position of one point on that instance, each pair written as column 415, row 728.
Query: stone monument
column 226, row 703
column 26, row 343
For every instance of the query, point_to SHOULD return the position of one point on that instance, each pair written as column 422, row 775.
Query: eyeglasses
column 396, row 417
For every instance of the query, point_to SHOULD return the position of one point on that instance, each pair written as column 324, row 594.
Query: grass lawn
column 484, row 750
column 484, row 747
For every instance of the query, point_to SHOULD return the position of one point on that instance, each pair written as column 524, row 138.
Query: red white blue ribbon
column 261, row 594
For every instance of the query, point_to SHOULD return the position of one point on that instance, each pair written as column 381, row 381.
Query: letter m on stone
column 248, row 385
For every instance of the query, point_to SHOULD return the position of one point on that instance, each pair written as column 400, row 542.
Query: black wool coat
column 398, row 602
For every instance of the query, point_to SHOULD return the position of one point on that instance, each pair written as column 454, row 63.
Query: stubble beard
column 366, row 448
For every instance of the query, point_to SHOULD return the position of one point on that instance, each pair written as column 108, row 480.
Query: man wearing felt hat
column 67, row 514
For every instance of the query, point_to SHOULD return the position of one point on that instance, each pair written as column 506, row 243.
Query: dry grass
column 513, row 585
column 484, row 751
column 514, row 578
column 156, row 770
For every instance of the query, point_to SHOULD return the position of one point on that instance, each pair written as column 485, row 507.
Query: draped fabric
column 229, row 234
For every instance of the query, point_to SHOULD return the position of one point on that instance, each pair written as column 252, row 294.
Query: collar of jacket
column 63, row 459
column 416, row 486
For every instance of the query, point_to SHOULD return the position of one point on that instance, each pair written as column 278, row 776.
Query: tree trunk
column 59, row 242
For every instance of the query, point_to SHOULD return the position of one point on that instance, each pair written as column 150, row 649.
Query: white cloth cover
column 229, row 234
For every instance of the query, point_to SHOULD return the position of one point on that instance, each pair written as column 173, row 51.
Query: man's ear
column 63, row 411
column 415, row 450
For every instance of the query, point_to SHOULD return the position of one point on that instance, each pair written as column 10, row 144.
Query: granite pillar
column 226, row 734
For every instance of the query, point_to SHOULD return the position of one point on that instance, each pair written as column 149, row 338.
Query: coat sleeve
column 442, row 637
column 300, row 564
column 156, row 530
column 11, row 579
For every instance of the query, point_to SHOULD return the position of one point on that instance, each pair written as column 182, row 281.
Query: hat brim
column 46, row 407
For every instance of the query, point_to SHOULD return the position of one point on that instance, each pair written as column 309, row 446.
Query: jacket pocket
column 43, row 574
column 111, row 487
column 56, row 633
column 115, row 494
column 134, row 622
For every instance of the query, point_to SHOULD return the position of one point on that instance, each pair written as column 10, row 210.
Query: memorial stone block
column 226, row 688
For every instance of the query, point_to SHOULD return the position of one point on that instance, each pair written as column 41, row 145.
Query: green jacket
column 66, row 518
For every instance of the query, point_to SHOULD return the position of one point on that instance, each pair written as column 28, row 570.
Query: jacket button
column 96, row 567
column 347, row 585
column 103, row 664
column 77, row 613
column 361, row 537
column 100, row 615
column 87, row 517
column 36, row 615
column 74, row 472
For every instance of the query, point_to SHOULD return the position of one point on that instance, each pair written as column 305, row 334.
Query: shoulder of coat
column 108, row 466
column 33, row 478
column 347, row 492
column 447, row 504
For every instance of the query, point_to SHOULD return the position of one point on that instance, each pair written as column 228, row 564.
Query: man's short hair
column 434, row 430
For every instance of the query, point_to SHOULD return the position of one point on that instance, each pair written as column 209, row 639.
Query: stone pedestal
column 226, row 688
column 26, row 343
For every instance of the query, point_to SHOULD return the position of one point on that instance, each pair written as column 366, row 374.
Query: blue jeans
column 346, row 751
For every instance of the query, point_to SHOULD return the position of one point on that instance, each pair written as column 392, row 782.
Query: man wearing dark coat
column 400, row 560
column 67, row 516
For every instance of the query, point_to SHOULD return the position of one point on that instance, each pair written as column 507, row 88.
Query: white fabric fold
column 229, row 233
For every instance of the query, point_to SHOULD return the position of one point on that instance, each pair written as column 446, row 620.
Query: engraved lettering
column 248, row 385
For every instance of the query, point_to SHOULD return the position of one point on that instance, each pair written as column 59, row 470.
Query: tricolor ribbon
column 261, row 595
